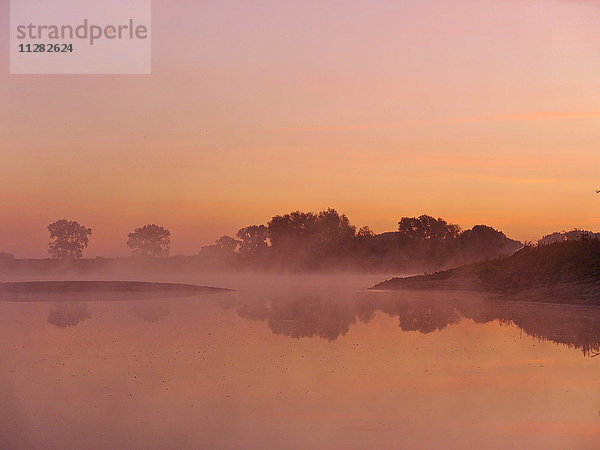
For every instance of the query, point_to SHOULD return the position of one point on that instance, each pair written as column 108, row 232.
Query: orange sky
column 478, row 112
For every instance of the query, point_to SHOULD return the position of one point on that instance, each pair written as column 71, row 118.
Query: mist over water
column 316, row 225
column 298, row 362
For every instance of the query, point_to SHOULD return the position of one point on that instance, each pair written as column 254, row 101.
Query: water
column 300, row 368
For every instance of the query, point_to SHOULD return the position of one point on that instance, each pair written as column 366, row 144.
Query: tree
column 309, row 231
column 365, row 233
column 224, row 247
column 482, row 242
column 573, row 235
column 227, row 244
column 68, row 239
column 427, row 228
column 308, row 240
column 333, row 229
column 291, row 231
column 149, row 240
column 253, row 240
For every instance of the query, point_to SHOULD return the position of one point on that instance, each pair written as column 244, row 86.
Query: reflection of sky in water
column 299, row 369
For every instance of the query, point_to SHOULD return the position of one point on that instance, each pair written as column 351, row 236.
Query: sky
column 477, row 111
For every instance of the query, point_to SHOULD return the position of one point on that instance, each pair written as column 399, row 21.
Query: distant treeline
column 328, row 241
column 297, row 241
column 300, row 241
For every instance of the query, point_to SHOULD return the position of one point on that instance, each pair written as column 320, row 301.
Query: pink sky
column 475, row 111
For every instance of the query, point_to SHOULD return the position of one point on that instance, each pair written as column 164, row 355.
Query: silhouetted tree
column 482, row 242
column 227, row 244
column 149, row 240
column 375, row 251
column 428, row 228
column 552, row 238
column 68, row 239
column 333, row 229
column 430, row 241
column 253, row 240
column 573, row 235
column 291, row 230
column 365, row 232
column 310, row 239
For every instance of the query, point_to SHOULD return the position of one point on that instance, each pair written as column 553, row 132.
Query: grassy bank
column 563, row 272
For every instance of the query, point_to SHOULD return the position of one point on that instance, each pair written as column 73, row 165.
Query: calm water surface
column 301, row 368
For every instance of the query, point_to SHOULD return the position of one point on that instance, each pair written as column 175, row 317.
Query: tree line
column 313, row 241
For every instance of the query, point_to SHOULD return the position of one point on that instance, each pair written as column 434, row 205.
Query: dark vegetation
column 149, row 241
column 562, row 236
column 565, row 272
column 298, row 241
column 68, row 239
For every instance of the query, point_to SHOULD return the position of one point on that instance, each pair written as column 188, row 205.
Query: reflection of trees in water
column 305, row 315
column 68, row 314
column 421, row 315
column 329, row 316
column 316, row 314
column 311, row 316
column 573, row 326
column 151, row 310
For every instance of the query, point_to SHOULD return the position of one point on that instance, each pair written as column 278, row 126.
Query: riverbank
column 564, row 272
